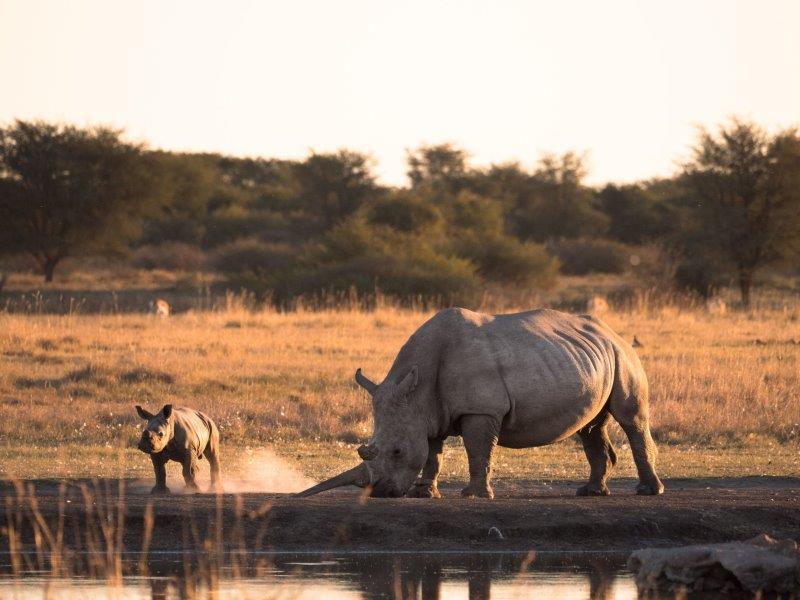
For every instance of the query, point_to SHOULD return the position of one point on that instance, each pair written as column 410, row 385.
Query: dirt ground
column 530, row 516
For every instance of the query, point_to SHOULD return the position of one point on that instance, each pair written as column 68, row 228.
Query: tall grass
column 270, row 376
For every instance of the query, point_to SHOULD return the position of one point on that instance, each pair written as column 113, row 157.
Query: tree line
column 325, row 224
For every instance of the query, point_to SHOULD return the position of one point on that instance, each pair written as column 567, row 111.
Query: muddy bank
column 529, row 516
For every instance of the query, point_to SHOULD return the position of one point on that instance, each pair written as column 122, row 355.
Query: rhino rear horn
column 368, row 452
column 356, row 476
column 364, row 382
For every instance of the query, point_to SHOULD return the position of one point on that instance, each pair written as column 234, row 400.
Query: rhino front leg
column 427, row 485
column 159, row 466
column 189, row 464
column 479, row 433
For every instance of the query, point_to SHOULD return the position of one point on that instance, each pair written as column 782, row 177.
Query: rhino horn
column 368, row 452
column 356, row 476
column 364, row 382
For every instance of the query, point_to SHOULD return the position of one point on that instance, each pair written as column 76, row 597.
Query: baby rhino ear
column 143, row 413
column 167, row 411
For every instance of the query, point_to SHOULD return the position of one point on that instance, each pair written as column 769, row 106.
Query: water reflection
column 400, row 576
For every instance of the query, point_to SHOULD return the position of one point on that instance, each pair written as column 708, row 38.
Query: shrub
column 404, row 212
column 406, row 274
column 171, row 256
column 252, row 264
column 697, row 275
column 588, row 255
column 358, row 256
column 172, row 229
column 508, row 260
column 232, row 224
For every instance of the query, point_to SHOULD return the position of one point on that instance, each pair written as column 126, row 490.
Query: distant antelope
column 597, row 305
column 160, row 307
column 716, row 306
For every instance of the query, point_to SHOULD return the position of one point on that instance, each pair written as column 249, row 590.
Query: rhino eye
column 397, row 452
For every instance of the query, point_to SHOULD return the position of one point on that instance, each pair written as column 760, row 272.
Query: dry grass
column 70, row 382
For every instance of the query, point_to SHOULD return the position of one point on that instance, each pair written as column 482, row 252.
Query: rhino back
column 192, row 430
column 544, row 374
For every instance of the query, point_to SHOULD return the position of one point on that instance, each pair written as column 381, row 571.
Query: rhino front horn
column 356, row 476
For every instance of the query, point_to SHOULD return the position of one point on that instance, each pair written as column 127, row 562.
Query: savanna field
column 725, row 389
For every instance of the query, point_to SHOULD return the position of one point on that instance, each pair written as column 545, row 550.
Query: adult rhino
column 517, row 380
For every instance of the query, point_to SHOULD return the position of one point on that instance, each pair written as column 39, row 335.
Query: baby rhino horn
column 368, row 452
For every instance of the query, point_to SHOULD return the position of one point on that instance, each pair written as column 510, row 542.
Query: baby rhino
column 183, row 435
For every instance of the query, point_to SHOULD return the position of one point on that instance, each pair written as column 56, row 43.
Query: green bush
column 358, row 256
column 507, row 260
column 171, row 256
column 232, row 224
column 404, row 212
column 251, row 264
column 176, row 228
column 697, row 275
column 589, row 255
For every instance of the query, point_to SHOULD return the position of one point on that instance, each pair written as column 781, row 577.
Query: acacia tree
column 442, row 167
column 66, row 191
column 747, row 186
column 335, row 185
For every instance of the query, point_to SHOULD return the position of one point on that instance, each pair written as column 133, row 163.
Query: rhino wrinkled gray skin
column 517, row 380
column 183, row 435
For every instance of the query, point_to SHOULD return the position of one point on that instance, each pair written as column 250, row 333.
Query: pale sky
column 627, row 82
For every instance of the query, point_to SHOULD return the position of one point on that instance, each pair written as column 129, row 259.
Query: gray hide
column 517, row 380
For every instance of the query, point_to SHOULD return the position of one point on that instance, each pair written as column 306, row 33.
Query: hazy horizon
column 627, row 84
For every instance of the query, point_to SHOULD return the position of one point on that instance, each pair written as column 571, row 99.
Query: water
column 354, row 576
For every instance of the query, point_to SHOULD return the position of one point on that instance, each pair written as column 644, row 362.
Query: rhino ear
column 167, row 411
column 143, row 413
column 409, row 382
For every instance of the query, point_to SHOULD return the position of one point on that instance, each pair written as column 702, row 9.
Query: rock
column 761, row 564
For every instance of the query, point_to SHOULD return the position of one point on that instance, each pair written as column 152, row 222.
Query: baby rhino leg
column 212, row 456
column 189, row 464
column 159, row 466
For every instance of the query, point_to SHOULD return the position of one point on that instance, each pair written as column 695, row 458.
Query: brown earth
column 530, row 515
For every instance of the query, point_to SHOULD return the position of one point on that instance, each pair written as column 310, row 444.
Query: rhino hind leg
column 427, row 486
column 212, row 456
column 600, row 454
column 190, row 473
column 631, row 412
column 479, row 433
column 644, row 454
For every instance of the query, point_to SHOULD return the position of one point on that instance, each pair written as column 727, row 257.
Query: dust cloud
column 257, row 470
column 261, row 470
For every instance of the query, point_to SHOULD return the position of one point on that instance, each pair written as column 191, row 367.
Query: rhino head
column 159, row 431
column 399, row 445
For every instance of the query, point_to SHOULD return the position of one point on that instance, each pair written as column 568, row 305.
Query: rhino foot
column 160, row 491
column 591, row 489
column 475, row 492
column 423, row 490
column 650, row 489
